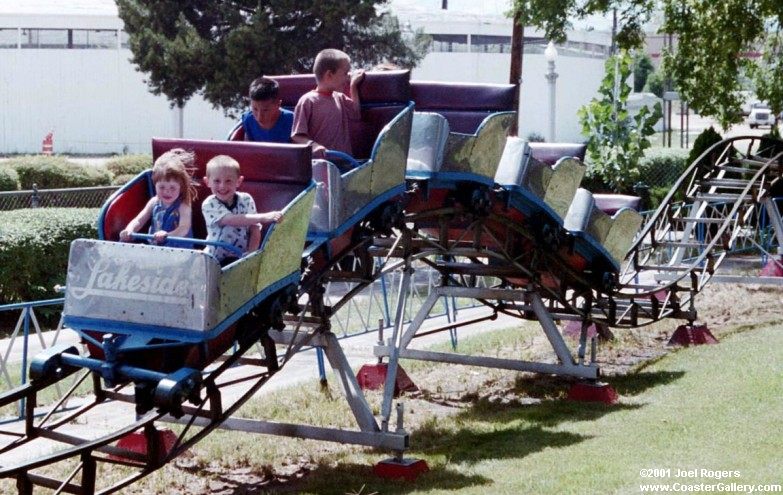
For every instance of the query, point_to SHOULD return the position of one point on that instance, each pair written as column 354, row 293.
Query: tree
column 714, row 40
column 768, row 74
column 642, row 68
column 554, row 16
column 617, row 140
column 217, row 47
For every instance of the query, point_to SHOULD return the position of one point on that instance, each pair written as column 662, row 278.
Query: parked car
column 760, row 116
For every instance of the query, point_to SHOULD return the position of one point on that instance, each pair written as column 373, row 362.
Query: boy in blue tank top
column 266, row 121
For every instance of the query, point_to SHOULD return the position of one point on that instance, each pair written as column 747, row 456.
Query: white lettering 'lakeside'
column 116, row 281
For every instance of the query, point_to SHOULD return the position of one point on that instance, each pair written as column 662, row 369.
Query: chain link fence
column 82, row 197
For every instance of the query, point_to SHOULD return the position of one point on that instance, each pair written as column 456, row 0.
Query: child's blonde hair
column 177, row 165
column 222, row 162
column 327, row 60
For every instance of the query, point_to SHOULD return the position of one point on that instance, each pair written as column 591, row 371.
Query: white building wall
column 96, row 102
column 93, row 100
column 578, row 82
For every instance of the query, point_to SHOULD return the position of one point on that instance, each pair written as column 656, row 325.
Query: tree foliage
column 714, row 37
column 217, row 47
column 554, row 16
column 642, row 68
column 714, row 41
column 617, row 140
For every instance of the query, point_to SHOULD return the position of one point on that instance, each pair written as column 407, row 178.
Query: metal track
column 710, row 208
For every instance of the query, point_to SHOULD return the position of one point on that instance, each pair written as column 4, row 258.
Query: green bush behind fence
column 34, row 246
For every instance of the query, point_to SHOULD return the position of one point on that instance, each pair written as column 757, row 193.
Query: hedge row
column 34, row 246
column 659, row 170
column 55, row 172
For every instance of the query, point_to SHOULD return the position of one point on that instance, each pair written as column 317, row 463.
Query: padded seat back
column 612, row 203
column 465, row 106
column 383, row 95
column 550, row 153
column 429, row 134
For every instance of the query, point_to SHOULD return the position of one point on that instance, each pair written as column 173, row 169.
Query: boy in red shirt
column 323, row 115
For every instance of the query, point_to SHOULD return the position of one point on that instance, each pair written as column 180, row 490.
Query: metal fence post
column 35, row 200
column 26, row 330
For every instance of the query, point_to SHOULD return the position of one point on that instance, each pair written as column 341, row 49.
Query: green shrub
column 55, row 172
column 34, row 246
column 121, row 180
column 9, row 179
column 128, row 165
column 661, row 167
column 655, row 83
column 703, row 141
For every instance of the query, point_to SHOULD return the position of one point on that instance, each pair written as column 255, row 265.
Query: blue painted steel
column 385, row 293
column 33, row 304
column 26, row 326
column 319, row 356
column 339, row 155
column 229, row 247
column 590, row 249
column 110, row 371
column 356, row 217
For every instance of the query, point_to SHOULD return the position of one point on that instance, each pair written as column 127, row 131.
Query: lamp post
column 550, row 54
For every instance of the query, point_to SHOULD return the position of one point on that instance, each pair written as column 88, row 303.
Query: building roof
column 58, row 7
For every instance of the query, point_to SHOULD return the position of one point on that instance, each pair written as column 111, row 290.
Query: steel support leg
column 391, row 372
column 353, row 394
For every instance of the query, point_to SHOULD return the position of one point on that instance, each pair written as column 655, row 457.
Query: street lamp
column 550, row 54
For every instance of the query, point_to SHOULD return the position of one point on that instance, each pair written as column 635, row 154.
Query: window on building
column 8, row 38
column 93, row 38
column 490, row 44
column 124, row 40
column 449, row 42
column 68, row 38
column 44, row 38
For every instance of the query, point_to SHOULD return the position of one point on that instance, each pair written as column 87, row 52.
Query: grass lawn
column 711, row 407
column 716, row 408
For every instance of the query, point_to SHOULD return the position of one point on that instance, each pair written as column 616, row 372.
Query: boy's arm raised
column 357, row 78
column 248, row 219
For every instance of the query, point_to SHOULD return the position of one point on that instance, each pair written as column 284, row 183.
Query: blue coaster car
column 462, row 159
column 149, row 312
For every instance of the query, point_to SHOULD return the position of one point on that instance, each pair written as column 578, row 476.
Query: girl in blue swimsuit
column 169, row 211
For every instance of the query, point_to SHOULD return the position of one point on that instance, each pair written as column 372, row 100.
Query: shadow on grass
column 470, row 446
column 547, row 413
column 359, row 479
column 637, row 383
column 552, row 406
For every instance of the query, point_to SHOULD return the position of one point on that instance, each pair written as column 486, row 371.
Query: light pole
column 550, row 54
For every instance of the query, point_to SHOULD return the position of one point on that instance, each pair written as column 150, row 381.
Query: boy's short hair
column 328, row 60
column 263, row 88
column 222, row 162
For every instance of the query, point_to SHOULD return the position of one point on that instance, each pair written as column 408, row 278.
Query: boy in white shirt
column 231, row 215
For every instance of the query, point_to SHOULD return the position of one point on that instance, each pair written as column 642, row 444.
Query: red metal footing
column 137, row 442
column 593, row 392
column 773, row 268
column 373, row 377
column 407, row 469
column 686, row 335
